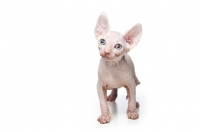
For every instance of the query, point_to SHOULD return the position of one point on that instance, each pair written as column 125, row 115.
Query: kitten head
column 113, row 45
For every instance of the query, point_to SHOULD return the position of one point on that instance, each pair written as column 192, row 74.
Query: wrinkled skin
column 116, row 68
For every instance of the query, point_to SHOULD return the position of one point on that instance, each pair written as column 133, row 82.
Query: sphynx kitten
column 116, row 68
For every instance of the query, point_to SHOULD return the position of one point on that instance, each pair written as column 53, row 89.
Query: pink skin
column 116, row 68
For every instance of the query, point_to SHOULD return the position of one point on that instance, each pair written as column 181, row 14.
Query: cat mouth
column 109, row 58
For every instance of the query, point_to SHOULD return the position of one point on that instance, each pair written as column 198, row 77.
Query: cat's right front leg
column 105, row 114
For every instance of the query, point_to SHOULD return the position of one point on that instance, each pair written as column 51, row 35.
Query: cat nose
column 106, row 52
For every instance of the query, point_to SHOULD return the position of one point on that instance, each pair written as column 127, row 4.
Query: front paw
column 132, row 114
column 105, row 118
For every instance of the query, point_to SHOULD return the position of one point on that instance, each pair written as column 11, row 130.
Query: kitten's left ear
column 102, row 25
column 133, row 36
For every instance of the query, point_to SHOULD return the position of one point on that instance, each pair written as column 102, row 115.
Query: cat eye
column 102, row 41
column 118, row 46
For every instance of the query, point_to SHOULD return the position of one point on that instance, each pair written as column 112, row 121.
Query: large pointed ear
column 102, row 25
column 133, row 36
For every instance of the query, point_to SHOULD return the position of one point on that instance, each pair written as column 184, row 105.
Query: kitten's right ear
column 102, row 25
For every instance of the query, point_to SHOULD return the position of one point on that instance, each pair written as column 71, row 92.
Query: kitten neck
column 118, row 63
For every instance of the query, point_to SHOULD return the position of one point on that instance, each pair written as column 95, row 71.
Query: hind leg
column 112, row 96
column 137, row 82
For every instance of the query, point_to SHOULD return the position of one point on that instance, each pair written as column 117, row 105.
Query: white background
column 49, row 60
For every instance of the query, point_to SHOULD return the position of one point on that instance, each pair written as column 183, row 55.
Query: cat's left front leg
column 132, row 111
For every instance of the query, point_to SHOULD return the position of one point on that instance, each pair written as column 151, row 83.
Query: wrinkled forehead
column 114, row 37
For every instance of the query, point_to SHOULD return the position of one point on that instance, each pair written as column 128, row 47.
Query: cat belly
column 111, row 82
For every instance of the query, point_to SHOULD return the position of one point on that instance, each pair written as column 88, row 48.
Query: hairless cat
column 116, row 68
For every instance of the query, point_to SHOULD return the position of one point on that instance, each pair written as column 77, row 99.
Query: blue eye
column 102, row 41
column 118, row 46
